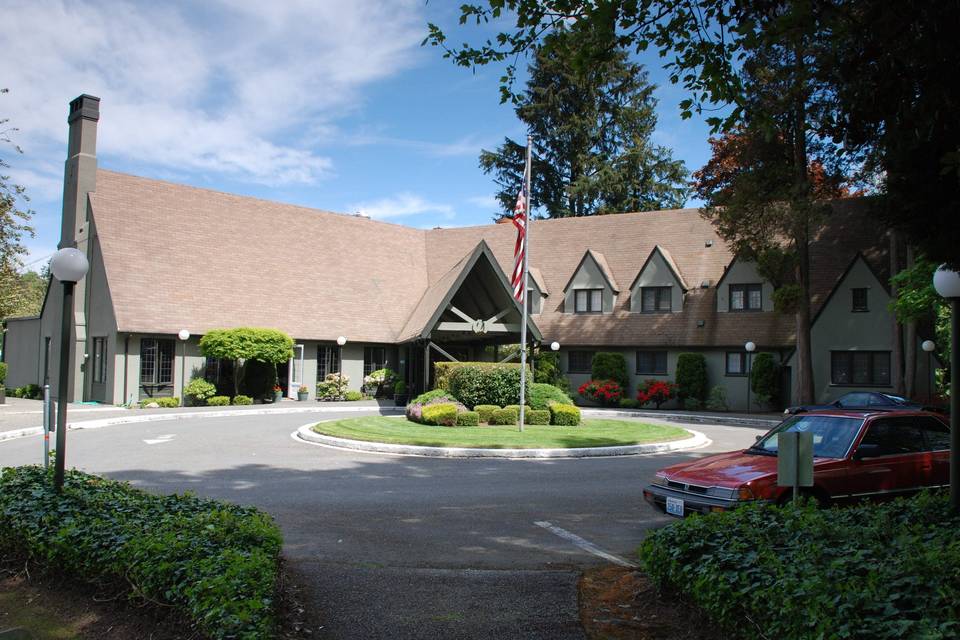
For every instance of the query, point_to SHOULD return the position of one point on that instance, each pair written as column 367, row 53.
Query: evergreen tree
column 591, row 127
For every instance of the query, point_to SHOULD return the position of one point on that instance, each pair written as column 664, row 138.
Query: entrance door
column 295, row 371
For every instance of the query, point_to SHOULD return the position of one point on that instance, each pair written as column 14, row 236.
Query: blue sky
column 332, row 105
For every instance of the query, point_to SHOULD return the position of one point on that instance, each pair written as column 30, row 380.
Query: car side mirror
column 866, row 451
column 758, row 439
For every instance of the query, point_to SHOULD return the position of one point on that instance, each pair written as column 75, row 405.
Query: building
column 166, row 257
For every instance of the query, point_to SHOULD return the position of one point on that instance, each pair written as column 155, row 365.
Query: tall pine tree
column 592, row 126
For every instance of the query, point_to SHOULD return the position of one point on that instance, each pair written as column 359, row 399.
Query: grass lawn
column 591, row 433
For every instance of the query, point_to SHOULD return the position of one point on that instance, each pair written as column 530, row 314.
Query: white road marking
column 162, row 439
column 587, row 546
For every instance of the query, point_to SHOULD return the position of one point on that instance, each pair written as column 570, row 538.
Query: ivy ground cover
column 591, row 433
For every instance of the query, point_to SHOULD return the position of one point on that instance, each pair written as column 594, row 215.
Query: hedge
column 443, row 414
column 537, row 416
column 352, row 395
column 765, row 378
column 564, row 415
column 691, row 377
column 516, row 407
column 610, row 365
column 872, row 571
column 242, row 400
column 414, row 410
column 484, row 383
column 541, row 395
column 163, row 403
column 214, row 561
column 468, row 419
column 3, row 372
column 218, row 401
column 504, row 417
column 485, row 411
column 442, row 370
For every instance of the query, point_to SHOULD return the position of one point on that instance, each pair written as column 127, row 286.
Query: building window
column 588, row 300
column 328, row 361
column 746, row 297
column 99, row 359
column 652, row 363
column 374, row 358
column 156, row 362
column 859, row 295
column 580, row 361
column 736, row 363
column 655, row 299
column 860, row 368
column 532, row 300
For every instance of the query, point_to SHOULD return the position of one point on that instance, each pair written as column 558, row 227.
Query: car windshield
column 832, row 435
column 894, row 399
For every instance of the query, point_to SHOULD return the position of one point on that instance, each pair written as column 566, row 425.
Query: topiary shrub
column 468, row 419
column 765, row 378
column 656, row 391
column 162, row 403
column 485, row 411
column 516, row 407
column 218, row 401
column 242, row 400
column 443, row 370
column 541, row 395
column 485, row 383
column 564, row 415
column 442, row 414
column 504, row 417
column 610, row 365
column 692, row 404
column 537, row 417
column 691, row 377
column 352, row 395
column 718, row 399
column 199, row 390
column 414, row 410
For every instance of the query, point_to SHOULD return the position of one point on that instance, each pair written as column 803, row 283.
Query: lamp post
column 554, row 346
column 68, row 266
column 184, row 335
column 341, row 340
column 929, row 346
column 750, row 348
column 947, row 284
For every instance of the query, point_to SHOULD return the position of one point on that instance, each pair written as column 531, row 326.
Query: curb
column 306, row 434
column 163, row 417
column 688, row 418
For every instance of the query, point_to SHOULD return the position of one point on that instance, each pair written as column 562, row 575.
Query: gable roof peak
column 671, row 264
column 601, row 262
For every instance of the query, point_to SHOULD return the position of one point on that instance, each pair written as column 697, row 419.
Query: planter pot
column 400, row 399
column 277, row 396
column 302, row 396
column 3, row 394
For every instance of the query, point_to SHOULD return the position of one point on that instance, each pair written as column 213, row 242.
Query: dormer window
column 588, row 300
column 655, row 299
column 859, row 295
column 746, row 297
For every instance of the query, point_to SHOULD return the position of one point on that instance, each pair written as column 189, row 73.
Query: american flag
column 520, row 222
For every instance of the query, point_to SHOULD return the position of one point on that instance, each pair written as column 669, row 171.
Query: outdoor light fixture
column 947, row 284
column 554, row 346
column 68, row 265
column 929, row 346
column 184, row 335
column 750, row 347
column 341, row 340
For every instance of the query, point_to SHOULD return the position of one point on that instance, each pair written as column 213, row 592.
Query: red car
column 857, row 454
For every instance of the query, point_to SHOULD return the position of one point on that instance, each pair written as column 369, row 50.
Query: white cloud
column 403, row 204
column 485, row 202
column 238, row 89
column 465, row 146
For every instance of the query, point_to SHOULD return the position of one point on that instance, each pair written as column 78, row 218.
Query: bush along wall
column 610, row 365
column 484, row 383
column 216, row 562
column 691, row 378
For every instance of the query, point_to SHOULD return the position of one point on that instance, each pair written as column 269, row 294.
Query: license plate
column 675, row 507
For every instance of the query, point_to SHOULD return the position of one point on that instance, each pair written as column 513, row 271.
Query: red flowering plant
column 605, row 392
column 656, row 391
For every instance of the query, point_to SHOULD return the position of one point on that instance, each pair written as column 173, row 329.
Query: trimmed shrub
column 718, row 399
column 629, row 403
column 443, row 370
column 537, row 416
column 610, row 365
column 605, row 392
column 526, row 409
column 692, row 404
column 218, row 401
column 163, row 403
column 434, row 394
column 691, row 377
column 765, row 378
column 485, row 411
column 564, row 415
column 242, row 400
column 352, row 395
column 215, row 562
column 468, row 419
column 199, row 390
column 3, row 372
column 504, row 417
column 541, row 395
column 333, row 386
column 28, row 391
column 656, row 391
column 442, row 414
column 414, row 410
column 485, row 383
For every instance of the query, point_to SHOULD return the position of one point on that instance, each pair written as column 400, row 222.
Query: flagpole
column 526, row 258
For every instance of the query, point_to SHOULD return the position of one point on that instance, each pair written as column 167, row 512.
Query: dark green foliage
column 692, row 404
column 163, row 403
column 28, row 391
column 564, row 415
column 691, row 376
column 258, row 379
column 516, row 408
column 541, row 395
column 537, row 416
column 241, row 400
column 629, row 403
column 218, row 401
column 268, row 346
column 610, row 365
column 468, row 419
column 867, row 572
column 765, row 378
column 3, row 372
column 485, row 384
column 504, row 417
column 547, row 370
column 434, row 394
column 485, row 411
column 199, row 390
column 443, row 370
column 214, row 561
column 718, row 399
column 443, row 414
column 352, row 395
